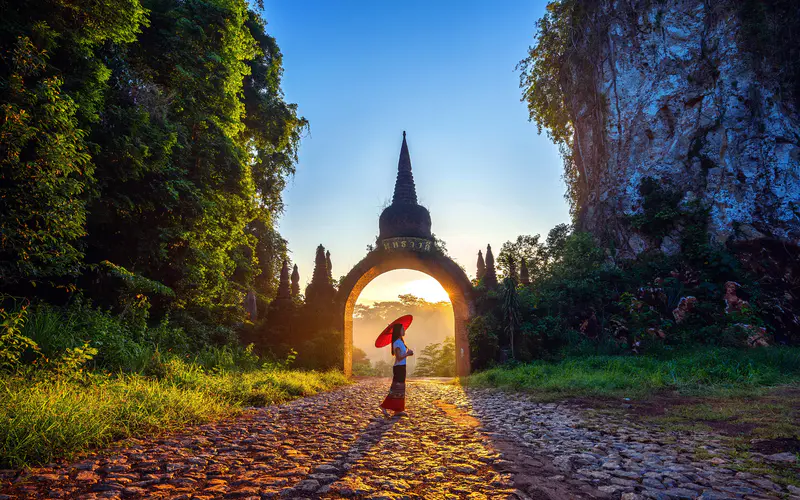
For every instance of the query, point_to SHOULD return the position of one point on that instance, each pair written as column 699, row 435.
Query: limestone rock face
column 682, row 102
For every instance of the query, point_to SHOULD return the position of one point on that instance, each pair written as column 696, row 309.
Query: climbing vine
column 565, row 61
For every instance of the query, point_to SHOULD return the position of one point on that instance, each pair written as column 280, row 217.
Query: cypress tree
column 295, row 282
column 490, row 277
column 481, row 266
column 524, row 277
column 283, row 286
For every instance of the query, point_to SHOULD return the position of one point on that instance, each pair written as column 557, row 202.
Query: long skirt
column 396, row 400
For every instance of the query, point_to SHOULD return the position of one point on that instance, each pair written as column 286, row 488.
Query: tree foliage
column 437, row 360
column 581, row 301
column 511, row 312
column 525, row 248
column 44, row 171
column 543, row 77
column 148, row 134
column 563, row 62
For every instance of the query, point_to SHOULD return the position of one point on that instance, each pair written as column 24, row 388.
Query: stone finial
column 481, row 266
column 283, row 286
column 524, row 275
column 295, row 282
column 490, row 278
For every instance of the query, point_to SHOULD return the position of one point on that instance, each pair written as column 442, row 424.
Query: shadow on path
column 323, row 475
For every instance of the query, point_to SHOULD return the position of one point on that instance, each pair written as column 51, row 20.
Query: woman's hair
column 397, row 333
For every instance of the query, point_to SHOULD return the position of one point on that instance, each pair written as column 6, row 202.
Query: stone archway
column 405, row 241
column 408, row 253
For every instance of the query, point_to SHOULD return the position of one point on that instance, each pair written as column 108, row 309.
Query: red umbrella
column 385, row 338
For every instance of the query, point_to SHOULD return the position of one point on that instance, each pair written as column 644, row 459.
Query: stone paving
column 455, row 444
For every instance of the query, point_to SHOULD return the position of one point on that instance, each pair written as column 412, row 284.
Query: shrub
column 13, row 344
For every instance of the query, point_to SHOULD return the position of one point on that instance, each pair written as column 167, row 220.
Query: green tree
column 484, row 340
column 511, row 313
column 382, row 369
column 270, row 251
column 194, row 152
column 556, row 243
column 563, row 62
column 52, row 82
column 525, row 248
column 437, row 360
column 45, row 169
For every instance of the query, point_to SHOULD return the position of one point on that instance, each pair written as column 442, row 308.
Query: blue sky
column 362, row 72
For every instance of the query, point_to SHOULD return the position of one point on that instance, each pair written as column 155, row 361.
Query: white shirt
column 399, row 344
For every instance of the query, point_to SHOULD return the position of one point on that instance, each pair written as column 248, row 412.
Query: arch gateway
column 405, row 241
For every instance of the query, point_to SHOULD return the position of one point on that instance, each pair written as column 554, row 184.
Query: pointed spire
column 481, row 266
column 490, row 278
column 321, row 289
column 319, row 277
column 329, row 266
column 295, row 282
column 404, row 191
column 283, row 286
column 524, row 276
column 512, row 269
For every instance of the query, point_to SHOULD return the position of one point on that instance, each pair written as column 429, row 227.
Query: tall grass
column 77, row 377
column 43, row 417
column 707, row 371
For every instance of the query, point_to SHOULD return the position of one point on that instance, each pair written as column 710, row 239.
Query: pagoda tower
column 405, row 217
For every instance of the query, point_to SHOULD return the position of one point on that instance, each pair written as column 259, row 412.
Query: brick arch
column 439, row 267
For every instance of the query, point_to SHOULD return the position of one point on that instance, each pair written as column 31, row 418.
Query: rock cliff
column 676, row 95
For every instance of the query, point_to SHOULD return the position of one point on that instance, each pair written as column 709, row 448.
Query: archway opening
column 411, row 254
column 431, row 336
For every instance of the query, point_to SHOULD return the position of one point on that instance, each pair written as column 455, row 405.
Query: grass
column 749, row 397
column 44, row 418
column 768, row 423
column 141, row 380
column 703, row 371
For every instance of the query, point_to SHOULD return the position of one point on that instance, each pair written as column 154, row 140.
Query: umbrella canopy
column 385, row 338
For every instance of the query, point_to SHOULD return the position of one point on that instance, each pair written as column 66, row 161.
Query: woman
column 396, row 400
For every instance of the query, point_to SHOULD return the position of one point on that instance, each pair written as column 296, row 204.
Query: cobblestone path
column 456, row 444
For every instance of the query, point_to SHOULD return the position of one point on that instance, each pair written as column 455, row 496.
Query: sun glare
column 426, row 288
column 386, row 287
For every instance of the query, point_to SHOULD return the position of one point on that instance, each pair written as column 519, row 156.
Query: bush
column 484, row 345
column 583, row 301
column 13, row 344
